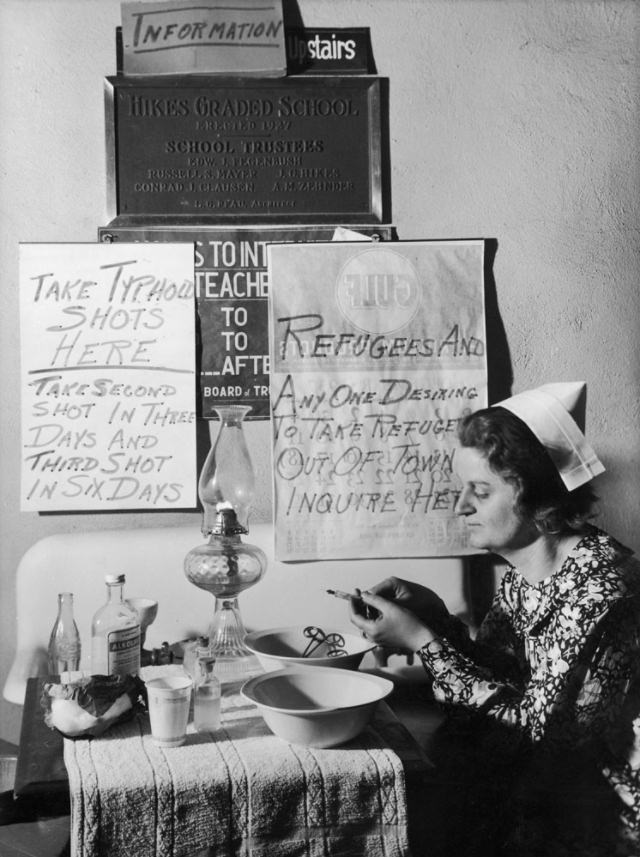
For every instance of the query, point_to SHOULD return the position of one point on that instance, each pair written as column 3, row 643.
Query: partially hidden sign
column 377, row 352
column 324, row 50
column 181, row 37
column 232, row 287
column 108, row 376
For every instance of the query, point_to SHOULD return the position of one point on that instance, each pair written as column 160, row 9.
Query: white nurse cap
column 555, row 414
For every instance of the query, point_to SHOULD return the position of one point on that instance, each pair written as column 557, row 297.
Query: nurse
column 543, row 733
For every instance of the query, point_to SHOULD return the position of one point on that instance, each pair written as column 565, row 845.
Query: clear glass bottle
column 206, row 709
column 64, row 643
column 194, row 650
column 115, row 633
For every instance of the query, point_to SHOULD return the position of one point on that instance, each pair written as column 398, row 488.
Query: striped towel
column 238, row 792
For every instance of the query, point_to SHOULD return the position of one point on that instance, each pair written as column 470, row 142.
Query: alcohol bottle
column 115, row 633
column 206, row 709
column 64, row 643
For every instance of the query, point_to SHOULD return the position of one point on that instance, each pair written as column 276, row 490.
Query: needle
column 338, row 593
column 369, row 612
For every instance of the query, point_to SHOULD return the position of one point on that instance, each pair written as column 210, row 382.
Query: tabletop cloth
column 239, row 792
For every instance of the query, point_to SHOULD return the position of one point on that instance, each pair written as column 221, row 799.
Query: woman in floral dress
column 541, row 749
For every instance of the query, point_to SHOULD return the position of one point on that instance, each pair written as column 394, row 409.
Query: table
column 42, row 773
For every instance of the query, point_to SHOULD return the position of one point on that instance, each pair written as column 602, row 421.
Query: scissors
column 316, row 636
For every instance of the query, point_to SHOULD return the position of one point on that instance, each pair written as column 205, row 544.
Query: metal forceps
column 334, row 642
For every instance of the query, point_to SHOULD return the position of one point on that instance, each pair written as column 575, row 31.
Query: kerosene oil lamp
column 226, row 565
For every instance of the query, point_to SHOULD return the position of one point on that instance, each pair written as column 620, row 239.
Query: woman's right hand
column 428, row 607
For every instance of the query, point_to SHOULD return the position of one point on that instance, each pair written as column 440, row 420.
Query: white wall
column 516, row 121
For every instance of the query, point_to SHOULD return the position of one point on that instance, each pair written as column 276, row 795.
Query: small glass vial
column 195, row 649
column 206, row 709
column 64, row 643
column 165, row 655
column 115, row 633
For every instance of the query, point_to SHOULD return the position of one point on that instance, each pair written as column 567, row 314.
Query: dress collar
column 596, row 555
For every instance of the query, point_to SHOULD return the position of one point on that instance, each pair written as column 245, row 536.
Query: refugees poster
column 377, row 353
column 108, row 377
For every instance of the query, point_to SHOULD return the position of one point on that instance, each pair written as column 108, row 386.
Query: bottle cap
column 114, row 578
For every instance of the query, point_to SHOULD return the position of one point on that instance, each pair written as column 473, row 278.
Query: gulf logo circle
column 378, row 290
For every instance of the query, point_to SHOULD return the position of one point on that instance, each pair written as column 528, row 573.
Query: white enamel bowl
column 283, row 647
column 322, row 707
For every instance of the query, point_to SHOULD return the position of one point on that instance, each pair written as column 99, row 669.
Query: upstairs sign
column 324, row 50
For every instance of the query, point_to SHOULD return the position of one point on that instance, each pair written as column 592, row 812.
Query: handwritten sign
column 377, row 352
column 182, row 37
column 108, row 376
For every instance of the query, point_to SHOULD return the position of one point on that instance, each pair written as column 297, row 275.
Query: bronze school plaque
column 298, row 149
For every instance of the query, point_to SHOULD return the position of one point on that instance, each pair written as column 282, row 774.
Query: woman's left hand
column 394, row 627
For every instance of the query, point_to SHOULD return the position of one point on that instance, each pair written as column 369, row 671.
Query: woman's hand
column 428, row 607
column 393, row 627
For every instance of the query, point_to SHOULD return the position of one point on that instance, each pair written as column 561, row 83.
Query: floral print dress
column 557, row 664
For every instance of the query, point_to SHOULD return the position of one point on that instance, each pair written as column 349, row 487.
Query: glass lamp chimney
column 227, row 479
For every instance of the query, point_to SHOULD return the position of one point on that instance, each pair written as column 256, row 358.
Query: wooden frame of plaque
column 209, row 149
